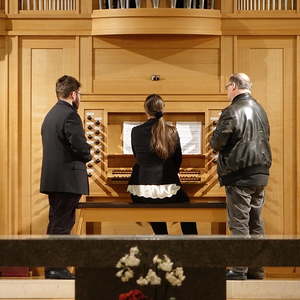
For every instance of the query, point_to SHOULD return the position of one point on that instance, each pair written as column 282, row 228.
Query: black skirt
column 179, row 197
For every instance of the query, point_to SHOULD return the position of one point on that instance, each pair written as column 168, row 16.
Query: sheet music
column 127, row 127
column 190, row 137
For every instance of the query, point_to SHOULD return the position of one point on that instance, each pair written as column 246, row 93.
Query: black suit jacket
column 65, row 151
column 150, row 169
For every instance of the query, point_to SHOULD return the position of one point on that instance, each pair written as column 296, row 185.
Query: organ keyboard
column 193, row 169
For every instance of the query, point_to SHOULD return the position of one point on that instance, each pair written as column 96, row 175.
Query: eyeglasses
column 228, row 85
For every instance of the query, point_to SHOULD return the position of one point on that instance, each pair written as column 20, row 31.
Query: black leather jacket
column 242, row 139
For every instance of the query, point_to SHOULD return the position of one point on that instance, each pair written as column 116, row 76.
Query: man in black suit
column 65, row 152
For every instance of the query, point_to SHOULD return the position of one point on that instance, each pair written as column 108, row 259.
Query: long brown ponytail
column 164, row 135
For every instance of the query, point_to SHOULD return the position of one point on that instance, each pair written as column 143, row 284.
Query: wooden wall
column 115, row 73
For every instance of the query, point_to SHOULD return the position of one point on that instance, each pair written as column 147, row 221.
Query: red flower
column 133, row 295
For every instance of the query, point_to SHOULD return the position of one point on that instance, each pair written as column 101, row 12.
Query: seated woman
column 154, row 178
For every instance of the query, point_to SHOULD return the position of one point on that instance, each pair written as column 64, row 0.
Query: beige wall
column 195, row 66
column 115, row 73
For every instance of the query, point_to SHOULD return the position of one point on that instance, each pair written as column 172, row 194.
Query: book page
column 190, row 137
column 127, row 127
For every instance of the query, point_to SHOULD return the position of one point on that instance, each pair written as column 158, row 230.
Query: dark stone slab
column 203, row 283
column 203, row 258
column 192, row 251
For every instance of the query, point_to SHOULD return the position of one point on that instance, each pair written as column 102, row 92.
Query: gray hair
column 241, row 81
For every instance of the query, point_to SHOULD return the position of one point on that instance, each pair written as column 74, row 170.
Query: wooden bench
column 206, row 212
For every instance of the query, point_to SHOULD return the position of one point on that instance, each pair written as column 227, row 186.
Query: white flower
column 142, row 281
column 128, row 260
column 152, row 278
column 123, row 259
column 127, row 275
column 156, row 259
column 166, row 264
column 134, row 250
column 119, row 273
column 132, row 261
column 179, row 273
column 176, row 277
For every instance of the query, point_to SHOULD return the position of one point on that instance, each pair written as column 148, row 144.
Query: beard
column 75, row 103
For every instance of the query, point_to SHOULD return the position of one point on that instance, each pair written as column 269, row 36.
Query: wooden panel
column 86, row 64
column 156, row 21
column 181, row 70
column 164, row 41
column 298, row 133
column 44, row 65
column 272, row 75
column 227, row 60
column 50, row 26
column 3, row 137
column 14, row 200
column 261, row 23
column 2, row 23
column 227, row 6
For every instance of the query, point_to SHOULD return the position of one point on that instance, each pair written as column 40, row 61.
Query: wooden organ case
column 110, row 168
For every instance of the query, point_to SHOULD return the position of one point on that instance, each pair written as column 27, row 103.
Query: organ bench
column 209, row 212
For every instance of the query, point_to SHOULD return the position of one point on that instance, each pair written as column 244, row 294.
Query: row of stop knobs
column 94, row 125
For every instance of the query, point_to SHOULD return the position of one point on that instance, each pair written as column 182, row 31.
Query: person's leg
column 238, row 209
column 159, row 227
column 52, row 202
column 189, row 227
column 62, row 212
column 256, row 227
column 61, row 220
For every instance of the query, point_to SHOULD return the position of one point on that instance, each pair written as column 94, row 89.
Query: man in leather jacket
column 241, row 139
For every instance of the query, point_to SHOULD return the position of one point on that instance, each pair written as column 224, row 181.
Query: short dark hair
column 65, row 85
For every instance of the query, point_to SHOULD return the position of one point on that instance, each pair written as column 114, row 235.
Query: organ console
column 111, row 166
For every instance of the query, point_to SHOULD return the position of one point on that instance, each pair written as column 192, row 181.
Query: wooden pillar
column 3, row 136
column 14, row 143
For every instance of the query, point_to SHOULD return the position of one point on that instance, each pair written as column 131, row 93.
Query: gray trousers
column 244, row 206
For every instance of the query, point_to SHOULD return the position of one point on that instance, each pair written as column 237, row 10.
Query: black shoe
column 256, row 275
column 58, row 274
column 232, row 275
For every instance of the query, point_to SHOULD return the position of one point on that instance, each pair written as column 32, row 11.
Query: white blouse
column 154, row 191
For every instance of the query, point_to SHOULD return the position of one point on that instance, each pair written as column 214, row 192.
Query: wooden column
column 14, row 143
column 3, row 136
column 13, row 6
column 298, row 129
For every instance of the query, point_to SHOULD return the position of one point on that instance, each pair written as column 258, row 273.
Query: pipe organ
column 47, row 5
column 265, row 5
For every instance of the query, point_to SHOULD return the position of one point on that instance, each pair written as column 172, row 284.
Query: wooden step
column 64, row 289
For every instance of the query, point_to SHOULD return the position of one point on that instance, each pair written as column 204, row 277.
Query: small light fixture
column 155, row 77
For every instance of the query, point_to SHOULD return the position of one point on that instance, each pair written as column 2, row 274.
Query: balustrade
column 265, row 4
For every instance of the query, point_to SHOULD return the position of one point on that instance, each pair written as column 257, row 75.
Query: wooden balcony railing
column 46, row 5
column 2, row 4
column 266, row 5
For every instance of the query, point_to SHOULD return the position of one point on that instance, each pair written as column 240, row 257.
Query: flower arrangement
column 161, row 274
